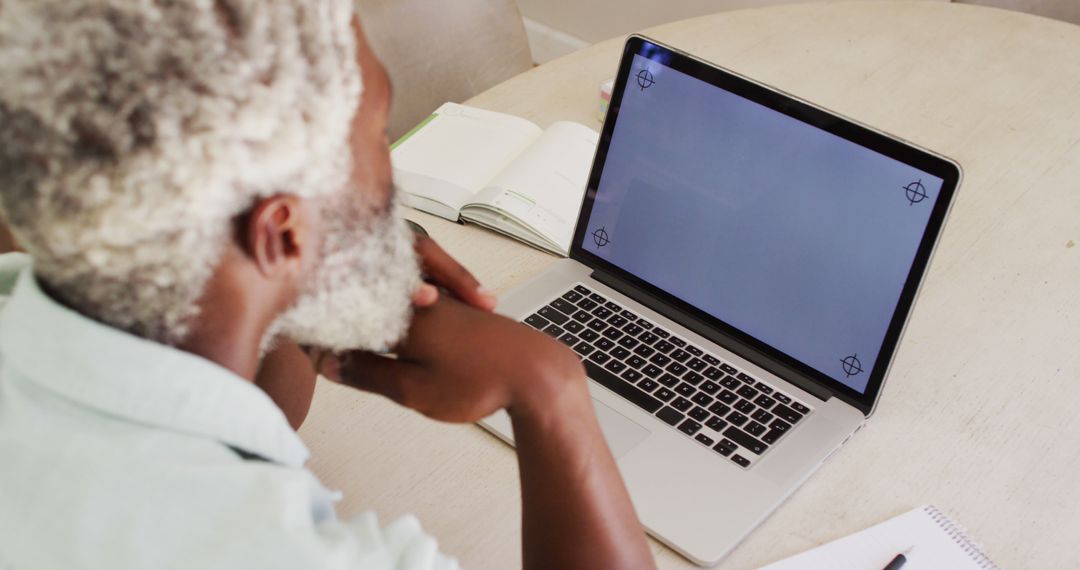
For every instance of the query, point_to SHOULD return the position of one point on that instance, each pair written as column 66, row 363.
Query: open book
column 498, row 171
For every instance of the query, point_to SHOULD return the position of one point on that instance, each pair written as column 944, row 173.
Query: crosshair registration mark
column 851, row 365
column 600, row 237
column 915, row 192
column 645, row 79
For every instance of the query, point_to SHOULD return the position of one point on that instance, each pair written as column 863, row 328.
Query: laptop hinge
column 730, row 343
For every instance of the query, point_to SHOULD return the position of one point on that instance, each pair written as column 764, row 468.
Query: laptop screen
column 794, row 236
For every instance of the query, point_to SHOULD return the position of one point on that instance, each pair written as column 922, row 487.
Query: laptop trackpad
column 622, row 433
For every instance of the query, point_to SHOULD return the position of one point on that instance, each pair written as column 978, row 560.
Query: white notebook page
column 935, row 541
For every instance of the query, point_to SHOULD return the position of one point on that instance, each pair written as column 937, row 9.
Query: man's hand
column 444, row 271
column 461, row 364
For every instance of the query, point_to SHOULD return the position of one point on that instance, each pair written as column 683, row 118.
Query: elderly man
column 202, row 187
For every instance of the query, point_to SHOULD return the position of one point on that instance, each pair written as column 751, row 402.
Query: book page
column 931, row 547
column 457, row 151
column 543, row 187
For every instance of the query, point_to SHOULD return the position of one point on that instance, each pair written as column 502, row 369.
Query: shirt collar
column 135, row 379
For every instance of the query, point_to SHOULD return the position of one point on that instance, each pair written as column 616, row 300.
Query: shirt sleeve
column 362, row 543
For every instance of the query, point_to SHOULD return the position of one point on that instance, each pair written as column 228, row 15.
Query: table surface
column 979, row 414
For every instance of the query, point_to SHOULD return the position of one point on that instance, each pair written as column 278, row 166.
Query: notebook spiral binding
column 959, row 535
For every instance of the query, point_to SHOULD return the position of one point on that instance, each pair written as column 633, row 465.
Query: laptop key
column 680, row 355
column 554, row 315
column 613, row 306
column 604, row 344
column 613, row 333
column 740, row 460
column 693, row 378
column 584, row 348
column 661, row 332
column 536, row 321
column 704, row 439
column 664, row 394
column 628, row 341
column 682, row 404
column 664, row 346
column 728, row 397
column 589, row 335
column 597, row 298
column 755, row 429
column 564, row 306
column 615, row 366
column 780, row 425
column 764, row 388
column 626, row 314
column 630, row 375
column 632, row 393
column 651, row 370
column 719, row 408
column 696, row 364
column 736, row 418
column 582, row 316
column 555, row 331
column 648, row 337
column 685, row 389
column 573, row 326
column 599, row 357
column 699, row 414
column 762, row 416
column 744, row 406
column 587, row 304
column 772, row 436
column 702, row 399
column 616, row 321
column 644, row 324
column 782, row 398
column 659, row 359
column 747, row 392
column 746, row 378
column 572, row 296
column 620, row 353
column 716, row 424
column 709, row 388
column 729, row 382
column 582, row 289
column 597, row 325
column 725, row 447
column 677, row 341
column 689, row 427
column 711, row 359
column 694, row 350
column 729, row 369
column 669, row 380
column 787, row 414
column 745, row 440
column 670, row 415
column 632, row 329
column 635, row 362
column 601, row 312
column 675, row 368
column 764, row 401
column 569, row 340
column 644, row 350
column 800, row 408
column 713, row 373
column 646, row 384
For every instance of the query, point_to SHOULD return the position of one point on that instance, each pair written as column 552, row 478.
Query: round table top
column 979, row 415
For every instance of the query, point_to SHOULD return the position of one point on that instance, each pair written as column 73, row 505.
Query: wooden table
column 979, row 416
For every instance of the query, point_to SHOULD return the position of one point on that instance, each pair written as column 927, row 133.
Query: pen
column 898, row 561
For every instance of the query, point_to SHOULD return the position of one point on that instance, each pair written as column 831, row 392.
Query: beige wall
column 559, row 26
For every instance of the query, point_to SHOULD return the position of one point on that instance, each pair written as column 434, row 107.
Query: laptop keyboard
column 702, row 396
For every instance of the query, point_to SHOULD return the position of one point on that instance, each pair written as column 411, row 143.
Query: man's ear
column 276, row 234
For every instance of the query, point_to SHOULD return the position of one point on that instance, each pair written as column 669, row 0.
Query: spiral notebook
column 934, row 540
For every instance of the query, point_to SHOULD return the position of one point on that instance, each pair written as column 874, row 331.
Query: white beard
column 361, row 294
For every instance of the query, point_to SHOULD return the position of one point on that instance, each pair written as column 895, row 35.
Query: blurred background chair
column 443, row 51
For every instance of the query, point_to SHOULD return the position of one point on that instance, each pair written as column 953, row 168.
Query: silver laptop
column 739, row 280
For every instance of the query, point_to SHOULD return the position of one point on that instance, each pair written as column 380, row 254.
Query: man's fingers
column 425, row 295
column 445, row 271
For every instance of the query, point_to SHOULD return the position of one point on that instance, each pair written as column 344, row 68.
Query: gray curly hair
column 133, row 131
